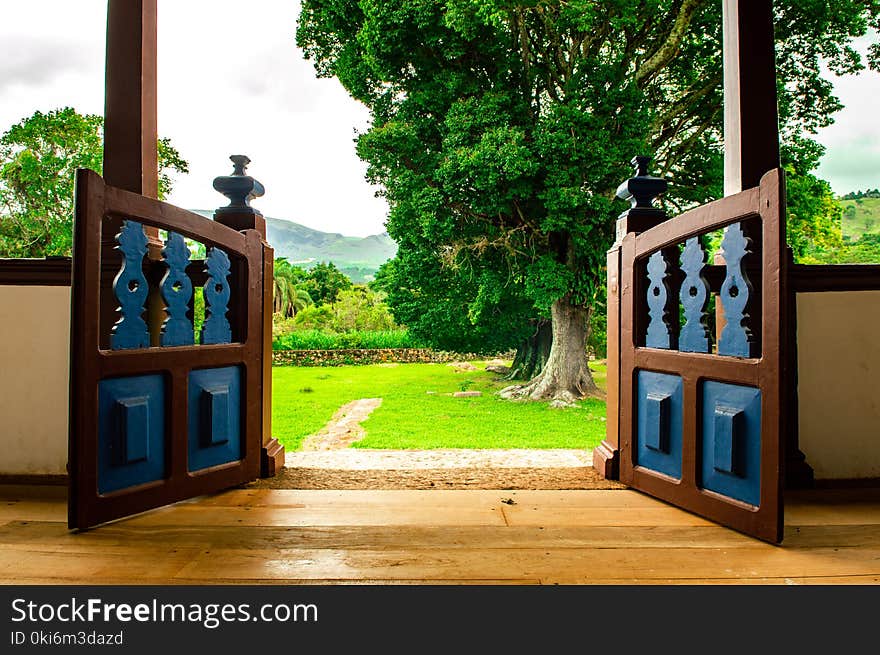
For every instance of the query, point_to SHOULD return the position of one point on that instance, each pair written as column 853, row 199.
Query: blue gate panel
column 731, row 441
column 658, row 437
column 131, row 432
column 214, row 417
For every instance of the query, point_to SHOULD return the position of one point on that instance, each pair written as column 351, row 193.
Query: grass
column 862, row 218
column 321, row 340
column 418, row 410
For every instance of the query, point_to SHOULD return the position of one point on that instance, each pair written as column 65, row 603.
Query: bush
column 361, row 308
column 314, row 317
column 357, row 339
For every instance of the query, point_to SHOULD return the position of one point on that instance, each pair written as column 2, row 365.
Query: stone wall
column 367, row 356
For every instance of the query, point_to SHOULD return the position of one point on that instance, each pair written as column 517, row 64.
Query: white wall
column 839, row 383
column 34, row 365
column 838, row 369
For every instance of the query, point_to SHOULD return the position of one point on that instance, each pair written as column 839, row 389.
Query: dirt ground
column 352, row 468
column 443, row 478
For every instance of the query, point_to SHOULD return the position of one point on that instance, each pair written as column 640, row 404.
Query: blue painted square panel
column 658, row 436
column 131, row 432
column 731, row 441
column 215, row 402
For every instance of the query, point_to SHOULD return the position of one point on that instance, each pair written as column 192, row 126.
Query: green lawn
column 418, row 410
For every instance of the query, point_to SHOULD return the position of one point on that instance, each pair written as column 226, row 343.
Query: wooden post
column 130, row 132
column 751, row 120
column 241, row 188
column 130, row 136
column 606, row 456
column 751, row 149
column 640, row 190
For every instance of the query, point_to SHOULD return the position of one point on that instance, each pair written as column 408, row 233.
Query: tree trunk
column 566, row 376
column 532, row 353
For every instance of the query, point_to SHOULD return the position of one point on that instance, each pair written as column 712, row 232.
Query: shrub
column 314, row 317
column 361, row 308
column 357, row 339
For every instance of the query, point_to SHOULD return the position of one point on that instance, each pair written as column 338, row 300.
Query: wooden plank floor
column 434, row 537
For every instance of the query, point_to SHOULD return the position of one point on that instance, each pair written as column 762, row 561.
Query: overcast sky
column 231, row 81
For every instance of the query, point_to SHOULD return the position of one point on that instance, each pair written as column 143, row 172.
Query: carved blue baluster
column 736, row 337
column 216, row 328
column 694, row 296
column 177, row 330
column 131, row 290
column 659, row 335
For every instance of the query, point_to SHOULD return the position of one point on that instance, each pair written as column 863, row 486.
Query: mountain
column 357, row 257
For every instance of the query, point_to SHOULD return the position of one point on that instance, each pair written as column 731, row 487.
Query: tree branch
column 667, row 51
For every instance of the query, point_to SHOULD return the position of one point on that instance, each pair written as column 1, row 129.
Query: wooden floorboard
column 267, row 536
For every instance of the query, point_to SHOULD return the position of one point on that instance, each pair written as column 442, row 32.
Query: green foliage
column 314, row 317
column 169, row 160
column 813, row 215
column 324, row 282
column 361, row 308
column 453, row 311
column 597, row 337
column 851, row 233
column 289, row 293
column 356, row 318
column 864, row 251
column 38, row 161
column 360, row 339
column 859, row 195
column 306, row 398
column 500, row 131
column 861, row 216
column 198, row 310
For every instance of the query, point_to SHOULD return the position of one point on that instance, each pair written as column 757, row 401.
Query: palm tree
column 289, row 294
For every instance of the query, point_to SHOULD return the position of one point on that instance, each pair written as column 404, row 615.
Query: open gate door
column 160, row 413
column 702, row 423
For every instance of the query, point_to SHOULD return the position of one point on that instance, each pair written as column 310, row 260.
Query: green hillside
column 860, row 216
column 357, row 257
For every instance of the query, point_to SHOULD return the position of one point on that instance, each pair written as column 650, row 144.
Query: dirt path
column 326, row 461
column 345, row 426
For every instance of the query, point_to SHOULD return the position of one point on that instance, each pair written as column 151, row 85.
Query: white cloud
column 852, row 161
column 231, row 81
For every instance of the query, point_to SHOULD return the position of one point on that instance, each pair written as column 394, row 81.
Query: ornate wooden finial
column 239, row 187
column 642, row 189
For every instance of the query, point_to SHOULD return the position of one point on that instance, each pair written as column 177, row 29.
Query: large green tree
column 38, row 161
column 500, row 129
column 453, row 309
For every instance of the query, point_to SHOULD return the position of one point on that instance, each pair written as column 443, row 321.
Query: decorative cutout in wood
column 216, row 328
column 177, row 290
column 659, row 333
column 131, row 290
column 736, row 337
column 694, row 295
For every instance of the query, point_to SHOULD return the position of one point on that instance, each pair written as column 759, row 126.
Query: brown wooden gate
column 160, row 410
column 701, row 424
